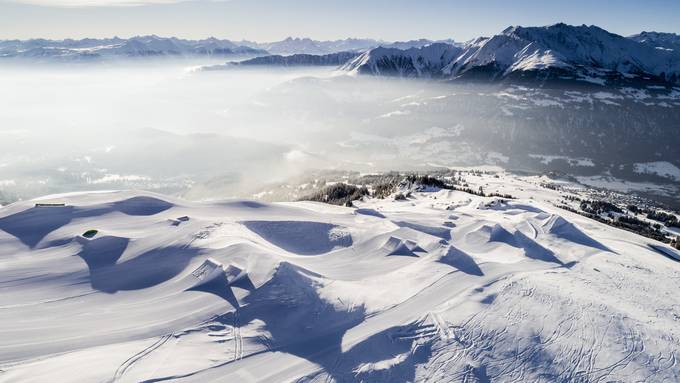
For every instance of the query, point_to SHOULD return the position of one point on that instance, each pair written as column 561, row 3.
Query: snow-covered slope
column 297, row 45
column 558, row 50
column 144, row 46
column 444, row 286
column 140, row 46
column 426, row 61
column 659, row 40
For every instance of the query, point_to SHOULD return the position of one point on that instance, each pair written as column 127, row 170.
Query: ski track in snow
column 443, row 287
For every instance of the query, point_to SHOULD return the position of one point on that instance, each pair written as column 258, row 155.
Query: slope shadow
column 531, row 249
column 534, row 250
column 30, row 226
column 382, row 357
column 521, row 208
column 220, row 287
column 103, row 252
column 146, row 270
column 141, row 206
column 566, row 230
column 397, row 247
column 666, row 252
column 244, row 283
column 301, row 237
column 299, row 322
column 370, row 212
column 461, row 261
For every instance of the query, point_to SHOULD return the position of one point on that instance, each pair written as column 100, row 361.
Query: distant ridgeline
column 558, row 52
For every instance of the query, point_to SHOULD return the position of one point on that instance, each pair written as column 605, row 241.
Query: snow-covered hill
column 557, row 51
column 442, row 286
column 140, row 46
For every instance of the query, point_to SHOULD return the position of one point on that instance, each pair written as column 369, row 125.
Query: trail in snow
column 488, row 291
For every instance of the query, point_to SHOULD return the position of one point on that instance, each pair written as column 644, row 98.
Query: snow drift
column 514, row 291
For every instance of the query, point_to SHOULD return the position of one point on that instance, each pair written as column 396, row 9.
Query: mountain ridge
column 557, row 51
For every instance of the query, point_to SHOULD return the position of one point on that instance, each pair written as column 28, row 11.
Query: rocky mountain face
column 558, row 52
column 331, row 59
column 658, row 40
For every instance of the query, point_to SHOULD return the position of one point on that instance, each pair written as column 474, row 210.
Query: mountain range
column 155, row 46
column 558, row 51
column 140, row 46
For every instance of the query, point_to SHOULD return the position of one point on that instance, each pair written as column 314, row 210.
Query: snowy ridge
column 558, row 50
column 140, row 46
column 659, row 40
column 332, row 59
column 296, row 45
column 151, row 46
column 291, row 45
column 443, row 285
column 426, row 61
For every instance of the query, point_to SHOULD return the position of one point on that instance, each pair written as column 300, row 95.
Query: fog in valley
column 169, row 126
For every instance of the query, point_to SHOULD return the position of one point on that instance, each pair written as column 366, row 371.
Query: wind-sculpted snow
column 301, row 237
column 444, row 286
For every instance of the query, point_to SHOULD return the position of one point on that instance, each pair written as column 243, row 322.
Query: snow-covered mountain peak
column 558, row 50
column 659, row 40
column 137, row 46
column 412, row 62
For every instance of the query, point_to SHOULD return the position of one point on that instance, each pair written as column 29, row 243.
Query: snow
column 587, row 53
column 444, row 285
column 620, row 185
column 661, row 168
column 395, row 113
column 113, row 178
column 546, row 160
column 422, row 61
column 138, row 46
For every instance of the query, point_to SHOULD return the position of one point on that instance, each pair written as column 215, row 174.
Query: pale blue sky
column 267, row 20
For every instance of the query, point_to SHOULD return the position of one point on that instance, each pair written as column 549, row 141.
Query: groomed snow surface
column 442, row 287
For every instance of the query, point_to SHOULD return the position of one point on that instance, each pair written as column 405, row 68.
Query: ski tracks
column 238, row 339
column 128, row 363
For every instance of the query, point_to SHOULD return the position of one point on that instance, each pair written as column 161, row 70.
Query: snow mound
column 302, row 237
column 142, row 205
column 141, row 270
column 208, row 272
column 511, row 295
column 561, row 228
column 398, row 246
column 506, row 246
column 460, row 260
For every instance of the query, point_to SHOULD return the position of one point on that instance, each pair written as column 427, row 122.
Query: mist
column 170, row 127
column 160, row 126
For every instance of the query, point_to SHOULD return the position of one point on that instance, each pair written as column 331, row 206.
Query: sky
column 271, row 20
